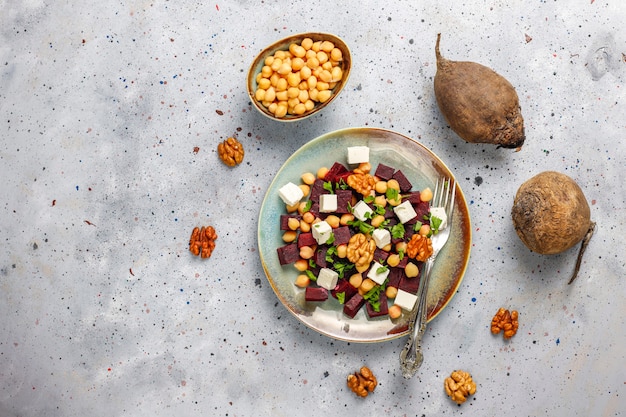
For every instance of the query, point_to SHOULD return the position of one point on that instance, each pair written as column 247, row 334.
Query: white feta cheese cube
column 358, row 154
column 382, row 237
column 405, row 300
column 378, row 277
column 321, row 232
column 327, row 278
column 362, row 211
column 404, row 211
column 328, row 203
column 290, row 193
column 440, row 213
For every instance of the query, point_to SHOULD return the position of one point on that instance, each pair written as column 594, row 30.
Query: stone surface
column 111, row 113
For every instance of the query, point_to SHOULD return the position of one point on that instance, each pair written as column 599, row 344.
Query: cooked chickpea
column 293, row 223
column 333, row 221
column 324, row 96
column 377, row 220
column 302, row 281
column 426, row 194
column 391, row 291
column 401, row 246
column 305, row 227
column 365, row 167
column 394, row 201
column 307, row 252
column 301, row 265
column 306, row 189
column 395, row 311
column 356, row 280
column 380, row 187
column 411, row 270
column 306, row 43
column 292, row 209
column 367, row 284
column 336, row 55
column 308, row 178
column 289, row 236
column 362, row 268
column 393, row 184
column 393, row 260
column 380, row 200
column 346, row 218
column 424, row 230
column 321, row 173
column 308, row 217
column 342, row 251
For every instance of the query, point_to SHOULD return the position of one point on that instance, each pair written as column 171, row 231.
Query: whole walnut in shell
column 480, row 105
column 551, row 214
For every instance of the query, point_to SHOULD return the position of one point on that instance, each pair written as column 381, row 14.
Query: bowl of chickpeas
column 298, row 76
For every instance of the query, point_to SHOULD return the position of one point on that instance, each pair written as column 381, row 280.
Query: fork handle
column 411, row 357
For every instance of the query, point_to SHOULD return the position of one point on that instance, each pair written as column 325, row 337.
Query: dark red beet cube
column 316, row 189
column 336, row 172
column 413, row 197
column 306, row 239
column 315, row 294
column 342, row 235
column 288, row 254
column 344, row 286
column 394, row 277
column 320, row 256
column 383, row 309
column 405, row 184
column 384, row 172
column 422, row 208
column 353, row 305
column 380, row 255
column 344, row 198
column 409, row 284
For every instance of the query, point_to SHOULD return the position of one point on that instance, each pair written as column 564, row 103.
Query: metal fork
column 411, row 357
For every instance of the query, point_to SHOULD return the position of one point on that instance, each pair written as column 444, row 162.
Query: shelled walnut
column 230, row 152
column 419, row 248
column 361, row 249
column 362, row 182
column 506, row 321
column 459, row 385
column 202, row 241
column 363, row 382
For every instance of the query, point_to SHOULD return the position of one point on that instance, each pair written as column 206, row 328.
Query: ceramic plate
column 422, row 167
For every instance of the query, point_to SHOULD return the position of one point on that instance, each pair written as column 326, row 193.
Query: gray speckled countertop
column 103, row 311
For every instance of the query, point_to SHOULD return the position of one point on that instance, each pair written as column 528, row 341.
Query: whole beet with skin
column 480, row 105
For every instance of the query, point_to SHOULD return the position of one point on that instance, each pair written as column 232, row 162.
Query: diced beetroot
column 315, row 294
column 380, row 255
column 336, row 172
column 320, row 256
column 316, row 190
column 422, row 208
column 344, row 198
column 409, row 284
column 405, row 184
column 306, row 239
column 383, row 309
column 384, row 172
column 288, row 254
column 284, row 220
column 403, row 262
column 353, row 305
column 344, row 286
column 413, row 197
column 394, row 277
column 342, row 235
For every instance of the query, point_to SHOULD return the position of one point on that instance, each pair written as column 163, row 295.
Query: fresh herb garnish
column 417, row 226
column 363, row 227
column 373, row 296
column 307, row 206
column 328, row 186
column 368, row 199
column 341, row 297
column 392, row 194
column 397, row 231
column 311, row 275
column 342, row 267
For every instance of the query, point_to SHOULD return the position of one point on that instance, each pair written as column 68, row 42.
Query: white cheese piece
column 328, row 203
column 327, row 278
column 440, row 213
column 405, row 211
column 382, row 237
column 362, row 211
column 321, row 232
column 378, row 277
column 405, row 300
column 358, row 154
column 290, row 193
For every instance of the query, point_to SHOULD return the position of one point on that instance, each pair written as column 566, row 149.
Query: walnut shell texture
column 550, row 213
column 480, row 105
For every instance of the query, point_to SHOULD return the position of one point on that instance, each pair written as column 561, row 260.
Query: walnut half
column 362, row 382
column 459, row 385
column 231, row 152
column 202, row 241
column 506, row 321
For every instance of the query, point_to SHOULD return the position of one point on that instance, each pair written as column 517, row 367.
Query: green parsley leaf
column 369, row 199
column 380, row 210
column 392, row 194
column 435, row 223
column 381, row 269
column 312, row 263
column 341, row 297
column 342, row 184
column 311, row 275
column 307, row 206
column 328, row 186
column 417, row 226
column 342, row 267
column 397, row 231
column 331, row 239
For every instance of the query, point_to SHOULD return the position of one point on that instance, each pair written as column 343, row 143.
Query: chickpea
column 424, row 230
column 308, row 217
column 297, row 50
column 309, row 105
column 301, row 265
column 393, row 184
column 281, row 85
column 342, row 251
column 362, row 268
column 367, row 285
column 356, row 280
column 411, row 270
column 316, row 46
column 324, row 96
column 333, row 221
column 307, row 252
column 380, row 187
column 346, row 218
column 264, row 83
column 293, row 223
column 308, row 178
column 289, row 236
column 299, row 108
column 365, row 167
column 336, row 55
column 393, row 260
column 305, row 227
column 394, row 201
column 426, row 194
column 394, row 312
column 302, row 281
column 292, row 209
column 259, row 94
column 306, row 189
column 391, row 291
column 337, row 74
column 307, row 43
column 401, row 247
column 380, row 200
column 377, row 220
column 321, row 173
